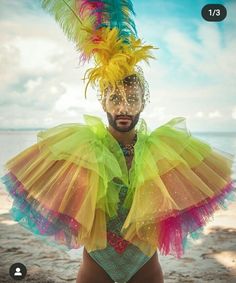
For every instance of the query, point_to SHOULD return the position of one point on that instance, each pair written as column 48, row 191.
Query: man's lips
column 123, row 118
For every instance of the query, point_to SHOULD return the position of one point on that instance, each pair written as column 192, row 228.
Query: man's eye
column 132, row 99
column 115, row 99
column 116, row 102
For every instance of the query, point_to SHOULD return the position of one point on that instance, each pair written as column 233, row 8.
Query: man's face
column 123, row 107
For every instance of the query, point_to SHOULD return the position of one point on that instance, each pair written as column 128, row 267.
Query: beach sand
column 212, row 258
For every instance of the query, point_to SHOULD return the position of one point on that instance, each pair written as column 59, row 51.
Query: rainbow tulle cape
column 63, row 191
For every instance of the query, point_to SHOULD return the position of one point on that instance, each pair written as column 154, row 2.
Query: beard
column 113, row 122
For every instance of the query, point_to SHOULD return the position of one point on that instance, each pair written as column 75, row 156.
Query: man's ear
column 103, row 105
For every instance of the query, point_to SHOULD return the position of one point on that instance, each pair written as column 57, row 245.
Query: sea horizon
column 40, row 129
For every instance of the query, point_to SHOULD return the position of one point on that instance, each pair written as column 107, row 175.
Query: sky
column 193, row 75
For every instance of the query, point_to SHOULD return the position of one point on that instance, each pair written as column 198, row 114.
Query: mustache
column 124, row 117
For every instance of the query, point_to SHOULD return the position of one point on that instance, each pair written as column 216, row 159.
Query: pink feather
column 95, row 8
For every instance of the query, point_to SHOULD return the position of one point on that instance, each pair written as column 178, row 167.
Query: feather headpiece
column 105, row 31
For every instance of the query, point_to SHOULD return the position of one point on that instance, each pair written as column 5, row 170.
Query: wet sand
column 212, row 258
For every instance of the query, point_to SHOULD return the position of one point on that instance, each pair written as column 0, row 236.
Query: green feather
column 65, row 14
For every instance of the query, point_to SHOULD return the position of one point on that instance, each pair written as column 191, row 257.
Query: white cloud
column 41, row 52
column 207, row 56
column 195, row 70
column 199, row 114
column 37, row 63
column 36, row 94
column 234, row 113
column 214, row 114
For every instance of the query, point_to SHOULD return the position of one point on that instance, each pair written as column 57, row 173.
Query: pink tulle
column 175, row 228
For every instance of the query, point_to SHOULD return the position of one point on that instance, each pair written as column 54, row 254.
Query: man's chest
column 128, row 160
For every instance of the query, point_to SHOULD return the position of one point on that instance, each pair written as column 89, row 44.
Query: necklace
column 128, row 149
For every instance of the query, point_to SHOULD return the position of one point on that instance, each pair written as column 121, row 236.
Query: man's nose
column 124, row 105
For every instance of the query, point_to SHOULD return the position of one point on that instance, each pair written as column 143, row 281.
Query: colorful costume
column 73, row 188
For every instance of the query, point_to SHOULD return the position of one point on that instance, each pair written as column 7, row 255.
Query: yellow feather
column 115, row 59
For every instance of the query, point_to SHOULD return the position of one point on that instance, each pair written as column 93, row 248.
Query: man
column 120, row 193
column 73, row 187
column 123, row 113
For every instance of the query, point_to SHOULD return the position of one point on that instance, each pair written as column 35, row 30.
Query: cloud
column 234, row 113
column 205, row 56
column 215, row 114
column 36, row 93
column 194, row 73
column 37, row 66
column 41, row 80
column 199, row 114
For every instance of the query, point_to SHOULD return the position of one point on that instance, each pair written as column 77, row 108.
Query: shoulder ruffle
column 65, row 180
column 177, row 182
